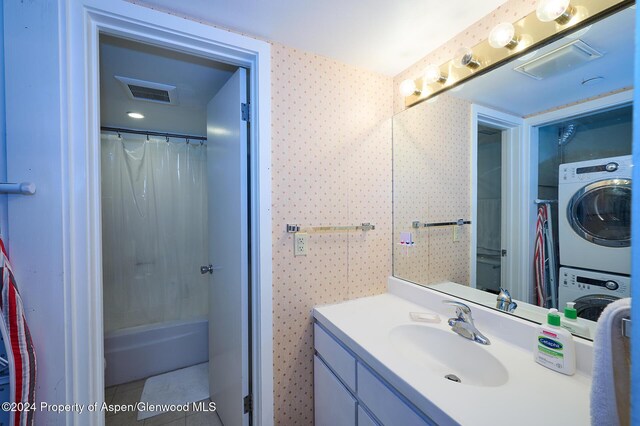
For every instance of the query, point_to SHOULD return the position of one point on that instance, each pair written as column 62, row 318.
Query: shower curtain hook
column 147, row 137
column 201, row 143
column 167, row 139
column 187, row 141
column 119, row 135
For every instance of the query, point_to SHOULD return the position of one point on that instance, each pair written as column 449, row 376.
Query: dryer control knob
column 611, row 285
column 611, row 167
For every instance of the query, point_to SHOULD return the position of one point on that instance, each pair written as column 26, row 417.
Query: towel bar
column 293, row 228
column 24, row 188
column 459, row 222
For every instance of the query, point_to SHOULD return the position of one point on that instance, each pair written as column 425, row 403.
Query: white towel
column 610, row 386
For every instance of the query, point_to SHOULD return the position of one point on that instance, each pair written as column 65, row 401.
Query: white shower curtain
column 154, row 230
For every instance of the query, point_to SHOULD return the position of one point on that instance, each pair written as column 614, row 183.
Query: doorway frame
column 84, row 20
column 530, row 146
column 512, row 178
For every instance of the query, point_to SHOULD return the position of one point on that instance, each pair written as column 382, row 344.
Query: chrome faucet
column 504, row 302
column 463, row 323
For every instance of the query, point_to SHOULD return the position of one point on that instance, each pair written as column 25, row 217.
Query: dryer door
column 601, row 212
column 591, row 306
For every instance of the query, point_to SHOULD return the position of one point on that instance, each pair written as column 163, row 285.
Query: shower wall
column 154, row 230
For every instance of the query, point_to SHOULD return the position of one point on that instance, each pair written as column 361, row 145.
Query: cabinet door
column 364, row 419
column 384, row 403
column 333, row 404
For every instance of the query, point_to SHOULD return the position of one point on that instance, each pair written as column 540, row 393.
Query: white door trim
column 511, row 152
column 83, row 20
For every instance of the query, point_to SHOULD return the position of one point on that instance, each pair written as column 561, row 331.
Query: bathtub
column 139, row 352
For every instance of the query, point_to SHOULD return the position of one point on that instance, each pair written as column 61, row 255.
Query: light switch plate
column 300, row 244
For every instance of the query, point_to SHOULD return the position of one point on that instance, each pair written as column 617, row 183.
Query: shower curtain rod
column 150, row 133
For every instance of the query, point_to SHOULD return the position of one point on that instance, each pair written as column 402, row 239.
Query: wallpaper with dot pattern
column 510, row 11
column 331, row 164
column 431, row 175
column 331, row 157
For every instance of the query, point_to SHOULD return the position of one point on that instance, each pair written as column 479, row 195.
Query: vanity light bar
column 292, row 228
column 529, row 33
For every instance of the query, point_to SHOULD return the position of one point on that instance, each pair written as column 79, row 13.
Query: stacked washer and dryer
column 594, row 200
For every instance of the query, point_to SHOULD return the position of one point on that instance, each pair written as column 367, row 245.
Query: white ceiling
column 379, row 35
column 196, row 79
column 511, row 91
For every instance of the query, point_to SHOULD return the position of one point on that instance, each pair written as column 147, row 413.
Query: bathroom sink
column 448, row 355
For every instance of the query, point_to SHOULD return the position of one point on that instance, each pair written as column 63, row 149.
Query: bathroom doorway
column 175, row 234
column 489, row 208
column 496, row 176
column 86, row 21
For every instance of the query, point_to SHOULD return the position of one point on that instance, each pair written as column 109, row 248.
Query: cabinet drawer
column 385, row 404
column 336, row 357
column 333, row 404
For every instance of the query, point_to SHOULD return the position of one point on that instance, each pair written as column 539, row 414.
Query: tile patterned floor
column 129, row 393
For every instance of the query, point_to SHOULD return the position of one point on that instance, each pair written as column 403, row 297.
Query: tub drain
column 453, row 378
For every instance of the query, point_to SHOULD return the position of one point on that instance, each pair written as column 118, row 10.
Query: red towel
column 539, row 257
column 22, row 356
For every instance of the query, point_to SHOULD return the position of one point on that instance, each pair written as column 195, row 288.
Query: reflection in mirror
column 534, row 159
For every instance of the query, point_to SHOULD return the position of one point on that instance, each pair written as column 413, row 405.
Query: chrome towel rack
column 539, row 201
column 293, row 228
column 23, row 188
column 626, row 327
column 459, row 222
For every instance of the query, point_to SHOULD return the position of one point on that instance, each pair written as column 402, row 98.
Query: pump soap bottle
column 571, row 323
column 554, row 347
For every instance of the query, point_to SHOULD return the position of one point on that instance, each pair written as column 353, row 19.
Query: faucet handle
column 504, row 294
column 461, row 308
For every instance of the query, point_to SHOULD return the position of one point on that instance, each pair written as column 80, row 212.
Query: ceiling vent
column 560, row 60
column 149, row 91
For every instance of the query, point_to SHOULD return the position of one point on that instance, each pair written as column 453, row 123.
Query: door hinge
column 246, row 114
column 248, row 403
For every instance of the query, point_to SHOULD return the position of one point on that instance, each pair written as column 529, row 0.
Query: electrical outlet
column 300, row 244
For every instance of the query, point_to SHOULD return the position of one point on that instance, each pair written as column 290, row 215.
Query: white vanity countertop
column 532, row 395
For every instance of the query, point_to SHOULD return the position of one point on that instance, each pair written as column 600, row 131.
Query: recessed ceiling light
column 135, row 115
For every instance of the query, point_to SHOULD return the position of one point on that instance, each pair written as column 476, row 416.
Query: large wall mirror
column 514, row 189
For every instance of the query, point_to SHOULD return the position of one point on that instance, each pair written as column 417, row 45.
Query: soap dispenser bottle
column 554, row 347
column 571, row 323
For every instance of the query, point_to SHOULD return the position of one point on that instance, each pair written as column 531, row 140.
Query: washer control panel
column 591, row 282
column 592, row 170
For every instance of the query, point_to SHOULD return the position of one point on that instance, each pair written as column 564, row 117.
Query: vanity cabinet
column 349, row 393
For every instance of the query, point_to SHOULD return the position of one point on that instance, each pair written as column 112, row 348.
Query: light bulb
column 135, row 115
column 464, row 58
column 560, row 11
column 503, row 35
column 408, row 88
column 432, row 74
